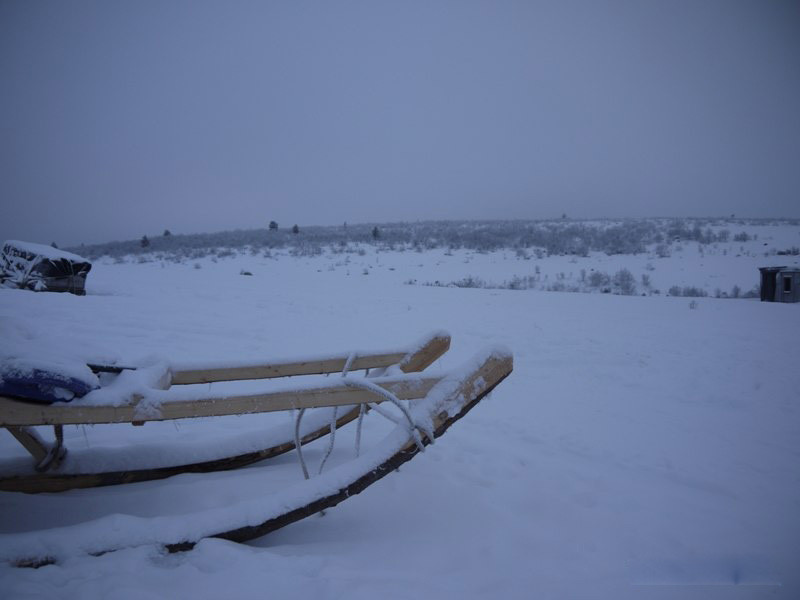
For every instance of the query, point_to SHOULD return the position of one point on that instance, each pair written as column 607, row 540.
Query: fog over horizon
column 124, row 119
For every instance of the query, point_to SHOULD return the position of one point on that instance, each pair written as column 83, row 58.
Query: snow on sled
column 42, row 268
column 55, row 470
column 213, row 497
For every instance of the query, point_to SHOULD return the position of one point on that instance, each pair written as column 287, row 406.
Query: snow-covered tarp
column 42, row 268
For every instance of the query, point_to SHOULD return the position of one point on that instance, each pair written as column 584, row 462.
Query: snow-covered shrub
column 690, row 291
column 470, row 282
column 754, row 292
column 599, row 279
column 625, row 282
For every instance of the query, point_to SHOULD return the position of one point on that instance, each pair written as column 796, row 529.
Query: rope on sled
column 413, row 428
column 297, row 443
column 362, row 410
column 345, row 371
column 334, row 416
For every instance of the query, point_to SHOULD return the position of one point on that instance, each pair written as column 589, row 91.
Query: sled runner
column 423, row 405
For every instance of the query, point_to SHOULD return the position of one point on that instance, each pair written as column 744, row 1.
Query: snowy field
column 644, row 446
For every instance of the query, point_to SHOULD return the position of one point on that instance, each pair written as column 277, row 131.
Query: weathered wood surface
column 31, row 441
column 16, row 413
column 418, row 361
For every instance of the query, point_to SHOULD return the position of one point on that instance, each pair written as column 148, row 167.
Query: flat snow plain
column 640, row 448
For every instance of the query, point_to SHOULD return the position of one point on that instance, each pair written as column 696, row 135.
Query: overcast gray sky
column 119, row 119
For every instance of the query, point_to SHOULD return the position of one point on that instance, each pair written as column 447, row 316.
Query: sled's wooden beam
column 415, row 361
column 31, row 441
column 14, row 413
column 426, row 354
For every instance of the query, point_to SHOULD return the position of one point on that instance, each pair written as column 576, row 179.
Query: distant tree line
column 529, row 238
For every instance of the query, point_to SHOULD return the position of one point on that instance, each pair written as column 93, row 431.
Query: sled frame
column 19, row 417
column 457, row 396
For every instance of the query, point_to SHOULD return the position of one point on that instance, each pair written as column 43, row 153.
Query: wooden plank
column 426, row 354
column 417, row 361
column 31, row 441
column 16, row 413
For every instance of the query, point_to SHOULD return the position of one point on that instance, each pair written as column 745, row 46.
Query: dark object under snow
column 42, row 268
column 43, row 386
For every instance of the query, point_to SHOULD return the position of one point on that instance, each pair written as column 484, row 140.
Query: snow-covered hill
column 641, row 442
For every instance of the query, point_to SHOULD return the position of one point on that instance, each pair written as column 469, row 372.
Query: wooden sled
column 52, row 471
column 435, row 403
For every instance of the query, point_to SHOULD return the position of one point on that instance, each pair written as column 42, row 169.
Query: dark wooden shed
column 780, row 284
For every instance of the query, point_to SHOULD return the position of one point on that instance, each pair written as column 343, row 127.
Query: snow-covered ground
column 642, row 447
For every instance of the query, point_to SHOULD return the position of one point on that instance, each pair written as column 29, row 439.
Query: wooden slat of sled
column 31, row 441
column 16, row 413
column 418, row 361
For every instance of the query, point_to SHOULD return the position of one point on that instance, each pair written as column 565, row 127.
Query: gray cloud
column 120, row 119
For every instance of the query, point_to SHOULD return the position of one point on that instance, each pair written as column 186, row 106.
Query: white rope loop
column 413, row 428
column 298, row 446
column 334, row 416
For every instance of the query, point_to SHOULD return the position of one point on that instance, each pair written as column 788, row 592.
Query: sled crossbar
column 18, row 416
column 419, row 360
column 14, row 413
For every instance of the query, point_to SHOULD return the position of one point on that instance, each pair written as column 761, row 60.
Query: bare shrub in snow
column 625, row 282
column 754, row 292
column 688, row 291
column 598, row 279
column 470, row 282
